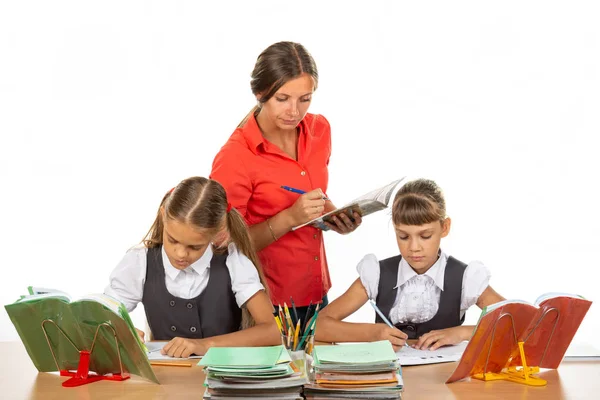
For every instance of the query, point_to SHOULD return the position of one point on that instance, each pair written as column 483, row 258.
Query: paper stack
column 357, row 371
column 252, row 372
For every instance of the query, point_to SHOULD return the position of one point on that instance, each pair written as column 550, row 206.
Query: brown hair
column 275, row 66
column 418, row 202
column 202, row 203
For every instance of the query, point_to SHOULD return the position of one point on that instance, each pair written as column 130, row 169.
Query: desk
column 20, row 380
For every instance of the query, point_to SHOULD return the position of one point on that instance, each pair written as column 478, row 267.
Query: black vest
column 448, row 314
column 214, row 312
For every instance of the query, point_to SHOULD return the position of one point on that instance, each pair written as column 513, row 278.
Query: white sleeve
column 475, row 280
column 126, row 282
column 245, row 281
column 368, row 270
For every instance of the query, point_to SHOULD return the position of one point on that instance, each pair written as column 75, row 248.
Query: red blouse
column 252, row 170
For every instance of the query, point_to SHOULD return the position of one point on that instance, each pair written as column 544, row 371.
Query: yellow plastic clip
column 521, row 374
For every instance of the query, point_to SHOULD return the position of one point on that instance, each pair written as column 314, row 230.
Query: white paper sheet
column 410, row 356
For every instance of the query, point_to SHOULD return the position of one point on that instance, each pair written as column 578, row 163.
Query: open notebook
column 364, row 205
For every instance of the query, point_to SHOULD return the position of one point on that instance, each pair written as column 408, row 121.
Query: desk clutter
column 253, row 372
column 357, row 371
column 93, row 338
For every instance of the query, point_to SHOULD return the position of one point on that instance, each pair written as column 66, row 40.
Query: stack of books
column 252, row 372
column 356, row 371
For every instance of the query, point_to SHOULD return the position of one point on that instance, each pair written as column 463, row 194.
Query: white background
column 104, row 106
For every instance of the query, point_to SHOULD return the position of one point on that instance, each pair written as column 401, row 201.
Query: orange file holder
column 514, row 339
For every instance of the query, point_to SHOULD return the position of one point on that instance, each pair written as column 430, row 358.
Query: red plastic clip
column 82, row 376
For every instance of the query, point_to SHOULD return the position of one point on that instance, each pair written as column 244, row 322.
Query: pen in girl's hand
column 387, row 321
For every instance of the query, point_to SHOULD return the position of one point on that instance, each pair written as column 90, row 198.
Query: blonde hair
column 202, row 203
column 418, row 202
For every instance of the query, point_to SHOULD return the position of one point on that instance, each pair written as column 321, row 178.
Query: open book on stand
column 59, row 332
column 513, row 338
column 364, row 205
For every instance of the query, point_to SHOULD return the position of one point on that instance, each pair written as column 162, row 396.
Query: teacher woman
column 280, row 144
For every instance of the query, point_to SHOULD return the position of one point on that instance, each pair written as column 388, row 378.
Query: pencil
column 311, row 325
column 294, row 308
column 283, row 321
column 278, row 323
column 309, row 348
column 307, row 316
column 296, row 335
column 288, row 318
column 170, row 364
column 387, row 321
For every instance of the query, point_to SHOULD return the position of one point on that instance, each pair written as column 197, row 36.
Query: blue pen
column 294, row 190
column 387, row 321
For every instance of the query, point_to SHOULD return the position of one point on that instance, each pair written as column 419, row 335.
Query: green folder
column 245, row 357
column 79, row 321
column 356, row 353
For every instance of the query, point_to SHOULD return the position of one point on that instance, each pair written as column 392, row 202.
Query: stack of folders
column 252, row 372
column 355, row 371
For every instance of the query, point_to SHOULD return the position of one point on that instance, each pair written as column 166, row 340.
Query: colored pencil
column 296, row 335
column 170, row 364
column 294, row 309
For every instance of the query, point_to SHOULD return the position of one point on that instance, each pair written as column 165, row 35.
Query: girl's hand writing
column 396, row 337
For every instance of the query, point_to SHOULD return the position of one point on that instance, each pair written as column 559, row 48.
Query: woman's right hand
column 310, row 205
column 396, row 337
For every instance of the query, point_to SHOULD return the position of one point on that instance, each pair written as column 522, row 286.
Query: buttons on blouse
column 315, row 236
column 193, row 329
column 173, row 328
column 316, row 258
column 303, row 173
column 189, row 305
column 172, row 303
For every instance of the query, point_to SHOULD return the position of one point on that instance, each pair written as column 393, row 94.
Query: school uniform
column 417, row 304
column 202, row 300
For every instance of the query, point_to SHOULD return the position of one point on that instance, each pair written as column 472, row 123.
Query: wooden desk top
column 20, row 380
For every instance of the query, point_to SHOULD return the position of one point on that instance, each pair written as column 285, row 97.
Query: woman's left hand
column 343, row 224
column 183, row 348
column 443, row 337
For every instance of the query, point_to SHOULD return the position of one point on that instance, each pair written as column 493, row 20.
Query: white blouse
column 418, row 296
column 128, row 278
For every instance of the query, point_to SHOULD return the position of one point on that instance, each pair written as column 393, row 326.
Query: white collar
column 199, row 266
column 436, row 272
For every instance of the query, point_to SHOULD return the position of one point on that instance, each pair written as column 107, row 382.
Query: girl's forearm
column 265, row 334
column 467, row 331
column 334, row 331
